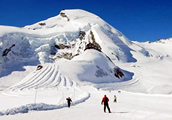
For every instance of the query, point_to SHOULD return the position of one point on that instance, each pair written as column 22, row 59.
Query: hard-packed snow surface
column 76, row 54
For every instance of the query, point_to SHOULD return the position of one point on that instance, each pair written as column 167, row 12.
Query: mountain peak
column 64, row 36
column 77, row 43
column 73, row 18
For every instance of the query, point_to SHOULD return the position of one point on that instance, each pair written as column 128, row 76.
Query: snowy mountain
column 77, row 39
column 67, row 35
column 76, row 54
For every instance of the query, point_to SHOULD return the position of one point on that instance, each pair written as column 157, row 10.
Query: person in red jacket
column 105, row 101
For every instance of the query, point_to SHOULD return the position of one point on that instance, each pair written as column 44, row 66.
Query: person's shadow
column 119, row 112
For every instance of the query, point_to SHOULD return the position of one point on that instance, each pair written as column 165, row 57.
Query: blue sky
column 141, row 20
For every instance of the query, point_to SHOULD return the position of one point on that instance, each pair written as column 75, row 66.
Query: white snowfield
column 72, row 68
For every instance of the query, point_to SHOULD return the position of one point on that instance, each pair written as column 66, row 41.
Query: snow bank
column 42, row 106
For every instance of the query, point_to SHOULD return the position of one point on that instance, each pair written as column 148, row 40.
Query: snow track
column 47, row 77
column 118, row 85
column 48, row 82
column 48, row 88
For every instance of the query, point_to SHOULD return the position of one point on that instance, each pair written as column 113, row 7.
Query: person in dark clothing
column 69, row 100
column 115, row 98
column 105, row 101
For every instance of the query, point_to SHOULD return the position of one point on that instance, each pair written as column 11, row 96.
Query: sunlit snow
column 82, row 57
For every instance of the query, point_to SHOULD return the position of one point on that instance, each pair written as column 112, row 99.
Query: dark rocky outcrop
column 81, row 35
column 42, row 24
column 62, row 14
column 7, row 50
column 93, row 46
column 118, row 73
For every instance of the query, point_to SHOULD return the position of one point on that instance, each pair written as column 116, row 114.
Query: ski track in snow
column 48, row 78
column 118, row 85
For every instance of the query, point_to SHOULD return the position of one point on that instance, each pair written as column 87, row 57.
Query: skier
column 115, row 98
column 69, row 100
column 105, row 101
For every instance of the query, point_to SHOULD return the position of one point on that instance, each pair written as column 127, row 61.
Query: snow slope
column 57, row 37
column 82, row 57
column 131, row 106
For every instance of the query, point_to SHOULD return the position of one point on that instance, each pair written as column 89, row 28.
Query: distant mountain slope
column 87, row 44
column 159, row 49
column 67, row 36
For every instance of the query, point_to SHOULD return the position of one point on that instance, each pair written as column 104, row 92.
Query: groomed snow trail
column 129, row 106
column 44, row 87
column 47, row 77
column 48, row 81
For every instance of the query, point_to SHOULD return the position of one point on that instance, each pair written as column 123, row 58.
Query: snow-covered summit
column 66, row 36
column 67, row 39
column 75, row 19
column 69, row 28
column 78, row 18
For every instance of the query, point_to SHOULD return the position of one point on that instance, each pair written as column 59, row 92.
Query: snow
column 129, row 106
column 85, row 75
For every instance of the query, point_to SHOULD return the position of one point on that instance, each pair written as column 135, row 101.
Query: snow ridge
column 40, row 107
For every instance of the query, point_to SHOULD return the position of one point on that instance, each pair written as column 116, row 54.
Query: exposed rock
column 39, row 67
column 81, row 35
column 65, row 55
column 42, row 24
column 93, row 46
column 62, row 46
column 118, row 73
column 64, row 15
column 7, row 50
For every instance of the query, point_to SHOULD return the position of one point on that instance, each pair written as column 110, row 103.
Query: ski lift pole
column 62, row 97
column 74, row 97
column 35, row 95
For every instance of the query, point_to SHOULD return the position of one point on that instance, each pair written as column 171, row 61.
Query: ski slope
column 45, row 97
column 50, row 81
column 73, row 69
column 129, row 105
column 46, row 81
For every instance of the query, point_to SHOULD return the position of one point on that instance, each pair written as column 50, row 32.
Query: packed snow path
column 47, row 89
column 47, row 86
column 129, row 106
column 48, row 81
